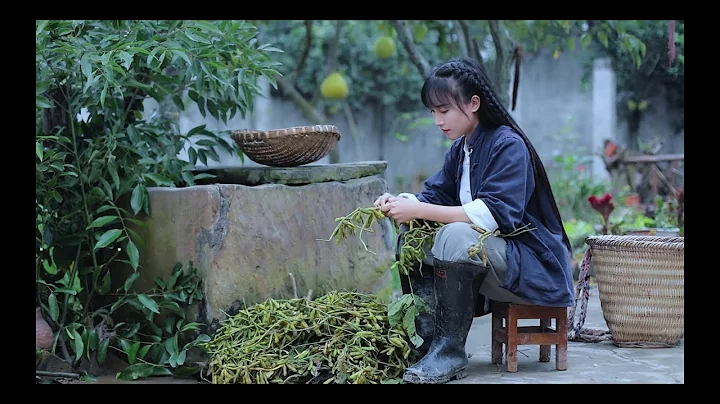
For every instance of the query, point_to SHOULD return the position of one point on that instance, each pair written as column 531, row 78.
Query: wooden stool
column 511, row 335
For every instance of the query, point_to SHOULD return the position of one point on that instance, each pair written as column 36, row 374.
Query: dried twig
column 57, row 374
column 295, row 293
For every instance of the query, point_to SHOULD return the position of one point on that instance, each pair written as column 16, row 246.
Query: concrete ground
column 600, row 362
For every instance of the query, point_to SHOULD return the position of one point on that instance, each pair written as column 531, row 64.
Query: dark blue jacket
column 538, row 262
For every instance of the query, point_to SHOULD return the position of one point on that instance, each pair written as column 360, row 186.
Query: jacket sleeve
column 508, row 182
column 440, row 188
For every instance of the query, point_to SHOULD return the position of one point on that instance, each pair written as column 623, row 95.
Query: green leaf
column 171, row 345
column 133, row 254
column 182, row 55
column 127, row 60
column 130, row 280
column 108, row 238
column 53, row 307
column 102, row 350
column 103, row 94
column 585, row 40
column 395, row 310
column 159, row 180
column 603, row 38
column 68, row 291
column 41, row 24
column 180, row 358
column 207, row 26
column 161, row 371
column 112, row 169
column 417, row 340
column 409, row 320
column 39, row 150
column 196, row 129
column 135, row 237
column 102, row 221
column 203, row 176
column 136, row 371
column 132, row 352
column 137, row 198
column 42, row 102
column 270, row 49
column 41, row 87
column 79, row 345
column 149, row 303
column 106, row 283
column 143, row 351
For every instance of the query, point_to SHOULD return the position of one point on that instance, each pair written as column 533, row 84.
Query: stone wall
column 246, row 239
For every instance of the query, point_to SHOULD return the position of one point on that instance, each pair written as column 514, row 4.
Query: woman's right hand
column 383, row 199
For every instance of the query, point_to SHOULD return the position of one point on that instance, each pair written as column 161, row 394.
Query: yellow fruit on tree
column 384, row 47
column 334, row 87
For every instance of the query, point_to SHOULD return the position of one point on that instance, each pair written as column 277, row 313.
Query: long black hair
column 454, row 83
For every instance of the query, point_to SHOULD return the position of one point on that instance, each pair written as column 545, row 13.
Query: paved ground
column 600, row 362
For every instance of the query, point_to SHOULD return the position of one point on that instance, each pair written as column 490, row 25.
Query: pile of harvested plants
column 418, row 237
column 341, row 337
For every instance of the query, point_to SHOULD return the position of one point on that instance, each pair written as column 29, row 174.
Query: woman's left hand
column 401, row 210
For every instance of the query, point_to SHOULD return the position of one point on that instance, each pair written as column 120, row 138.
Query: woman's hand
column 401, row 210
column 384, row 198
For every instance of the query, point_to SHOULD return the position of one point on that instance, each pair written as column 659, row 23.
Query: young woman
column 493, row 178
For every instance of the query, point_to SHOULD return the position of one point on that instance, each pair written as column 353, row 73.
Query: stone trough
column 252, row 227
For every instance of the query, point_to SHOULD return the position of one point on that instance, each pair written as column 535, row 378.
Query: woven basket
column 289, row 147
column 641, row 280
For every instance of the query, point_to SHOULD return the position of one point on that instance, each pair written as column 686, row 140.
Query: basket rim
column 639, row 242
column 289, row 131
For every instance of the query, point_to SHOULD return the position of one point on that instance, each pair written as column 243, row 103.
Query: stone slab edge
column 303, row 175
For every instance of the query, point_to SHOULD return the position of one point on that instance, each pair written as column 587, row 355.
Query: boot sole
column 418, row 379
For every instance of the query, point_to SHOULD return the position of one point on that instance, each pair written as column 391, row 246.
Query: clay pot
column 43, row 332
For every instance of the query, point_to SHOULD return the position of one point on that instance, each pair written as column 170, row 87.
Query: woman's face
column 456, row 121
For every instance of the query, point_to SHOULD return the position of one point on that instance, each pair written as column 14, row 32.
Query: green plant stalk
column 87, row 213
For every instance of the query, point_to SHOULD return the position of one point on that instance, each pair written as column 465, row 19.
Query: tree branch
column 463, row 37
column 334, row 47
column 403, row 30
column 475, row 51
column 311, row 113
column 305, row 51
column 333, row 54
column 500, row 39
column 503, row 49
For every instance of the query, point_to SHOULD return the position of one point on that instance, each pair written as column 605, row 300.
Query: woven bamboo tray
column 641, row 280
column 289, row 147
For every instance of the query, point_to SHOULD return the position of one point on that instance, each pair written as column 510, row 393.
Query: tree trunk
column 504, row 48
column 58, row 116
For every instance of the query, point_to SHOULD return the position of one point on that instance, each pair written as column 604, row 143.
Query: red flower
column 604, row 206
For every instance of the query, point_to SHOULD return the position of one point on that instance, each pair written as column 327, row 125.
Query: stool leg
column 497, row 345
column 512, row 342
column 544, row 349
column 561, row 348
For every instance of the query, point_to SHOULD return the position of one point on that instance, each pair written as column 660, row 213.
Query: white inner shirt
column 476, row 210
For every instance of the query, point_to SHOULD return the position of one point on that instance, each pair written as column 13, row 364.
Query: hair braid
column 470, row 74
column 499, row 115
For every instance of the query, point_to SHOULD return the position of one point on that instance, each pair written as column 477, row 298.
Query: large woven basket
column 641, row 280
column 289, row 147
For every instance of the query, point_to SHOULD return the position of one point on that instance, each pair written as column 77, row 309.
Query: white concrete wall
column 554, row 109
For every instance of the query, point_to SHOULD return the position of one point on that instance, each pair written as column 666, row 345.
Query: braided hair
column 454, row 83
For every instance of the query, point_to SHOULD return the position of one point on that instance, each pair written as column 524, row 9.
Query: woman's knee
column 453, row 240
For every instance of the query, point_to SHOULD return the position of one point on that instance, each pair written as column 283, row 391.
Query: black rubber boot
column 422, row 280
column 456, row 291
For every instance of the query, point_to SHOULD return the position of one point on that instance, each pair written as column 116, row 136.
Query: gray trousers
column 452, row 243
